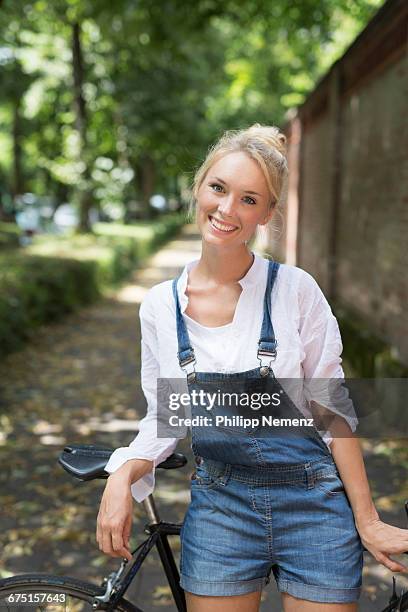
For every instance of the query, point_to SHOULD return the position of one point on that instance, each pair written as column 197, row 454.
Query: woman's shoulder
column 157, row 299
column 157, row 293
column 297, row 283
column 294, row 277
column 310, row 296
column 291, row 273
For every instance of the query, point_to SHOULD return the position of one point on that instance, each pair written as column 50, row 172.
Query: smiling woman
column 260, row 503
column 225, row 211
column 236, row 189
column 264, row 144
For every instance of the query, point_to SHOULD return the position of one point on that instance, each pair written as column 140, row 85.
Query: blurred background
column 106, row 110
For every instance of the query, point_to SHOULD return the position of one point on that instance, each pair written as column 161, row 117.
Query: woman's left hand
column 383, row 540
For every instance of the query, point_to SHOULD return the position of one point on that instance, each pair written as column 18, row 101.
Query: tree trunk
column 146, row 177
column 81, row 124
column 17, row 187
column 5, row 215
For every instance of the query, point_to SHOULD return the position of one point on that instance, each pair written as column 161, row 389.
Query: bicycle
column 47, row 593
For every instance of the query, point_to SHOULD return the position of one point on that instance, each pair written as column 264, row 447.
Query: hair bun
column 266, row 144
column 271, row 135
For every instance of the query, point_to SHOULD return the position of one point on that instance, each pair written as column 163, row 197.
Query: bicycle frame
column 116, row 585
column 87, row 462
column 159, row 531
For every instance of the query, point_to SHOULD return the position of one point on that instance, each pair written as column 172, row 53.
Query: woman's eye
column 212, row 185
column 252, row 200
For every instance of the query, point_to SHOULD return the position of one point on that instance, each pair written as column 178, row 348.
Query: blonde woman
column 297, row 505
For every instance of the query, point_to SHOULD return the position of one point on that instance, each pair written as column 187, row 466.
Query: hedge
column 56, row 275
column 9, row 235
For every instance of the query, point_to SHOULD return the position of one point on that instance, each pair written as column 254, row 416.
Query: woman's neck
column 223, row 266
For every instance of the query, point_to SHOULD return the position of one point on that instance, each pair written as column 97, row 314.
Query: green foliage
column 9, row 235
column 160, row 81
column 57, row 275
column 366, row 355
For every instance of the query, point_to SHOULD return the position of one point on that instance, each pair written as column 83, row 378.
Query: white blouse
column 309, row 346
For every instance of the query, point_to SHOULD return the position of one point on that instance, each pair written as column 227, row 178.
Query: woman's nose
column 227, row 205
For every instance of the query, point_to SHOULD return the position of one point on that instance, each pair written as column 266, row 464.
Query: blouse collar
column 253, row 276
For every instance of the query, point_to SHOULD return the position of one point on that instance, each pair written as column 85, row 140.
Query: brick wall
column 352, row 190
column 372, row 249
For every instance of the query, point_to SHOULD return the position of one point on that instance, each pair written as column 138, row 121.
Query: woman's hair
column 263, row 143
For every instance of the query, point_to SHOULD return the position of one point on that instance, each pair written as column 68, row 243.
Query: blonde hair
column 263, row 143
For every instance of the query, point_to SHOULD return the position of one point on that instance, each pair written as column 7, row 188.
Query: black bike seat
column 87, row 462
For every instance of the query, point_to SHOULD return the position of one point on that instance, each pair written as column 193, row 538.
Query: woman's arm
column 132, row 467
column 381, row 539
column 321, row 339
column 146, row 445
column 114, row 522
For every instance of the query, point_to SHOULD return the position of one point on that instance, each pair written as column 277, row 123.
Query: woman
column 298, row 505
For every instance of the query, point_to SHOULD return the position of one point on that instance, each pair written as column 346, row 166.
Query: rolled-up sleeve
column 146, row 445
column 321, row 340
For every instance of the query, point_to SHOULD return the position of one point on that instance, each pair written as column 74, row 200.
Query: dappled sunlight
column 84, row 428
column 162, row 266
column 49, row 440
column 43, row 427
column 380, row 572
column 377, row 579
column 131, row 294
column 172, row 494
column 94, row 424
column 171, row 259
column 153, row 276
column 68, row 560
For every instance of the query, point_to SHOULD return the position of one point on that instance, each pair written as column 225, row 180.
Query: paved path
column 78, row 381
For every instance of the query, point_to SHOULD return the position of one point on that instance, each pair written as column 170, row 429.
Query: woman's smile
column 221, row 226
column 227, row 216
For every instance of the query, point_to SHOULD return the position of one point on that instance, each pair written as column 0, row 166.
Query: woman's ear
column 268, row 215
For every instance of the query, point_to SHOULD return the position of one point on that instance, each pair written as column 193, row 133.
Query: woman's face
column 232, row 200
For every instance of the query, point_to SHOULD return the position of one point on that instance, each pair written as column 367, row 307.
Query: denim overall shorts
column 263, row 498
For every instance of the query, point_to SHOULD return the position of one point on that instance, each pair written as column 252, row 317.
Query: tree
column 81, row 122
column 124, row 97
column 15, row 83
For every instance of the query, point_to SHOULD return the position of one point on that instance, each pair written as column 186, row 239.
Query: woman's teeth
column 221, row 226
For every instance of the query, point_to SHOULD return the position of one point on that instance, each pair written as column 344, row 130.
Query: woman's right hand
column 114, row 522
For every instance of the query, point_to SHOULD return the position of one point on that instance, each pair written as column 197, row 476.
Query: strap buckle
column 265, row 368
column 188, row 366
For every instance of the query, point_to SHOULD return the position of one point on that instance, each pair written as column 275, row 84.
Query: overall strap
column 267, row 342
column 185, row 351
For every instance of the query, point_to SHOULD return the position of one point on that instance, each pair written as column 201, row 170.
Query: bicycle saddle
column 87, row 462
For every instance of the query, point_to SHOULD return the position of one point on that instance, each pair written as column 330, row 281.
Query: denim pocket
column 329, row 482
column 203, row 480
